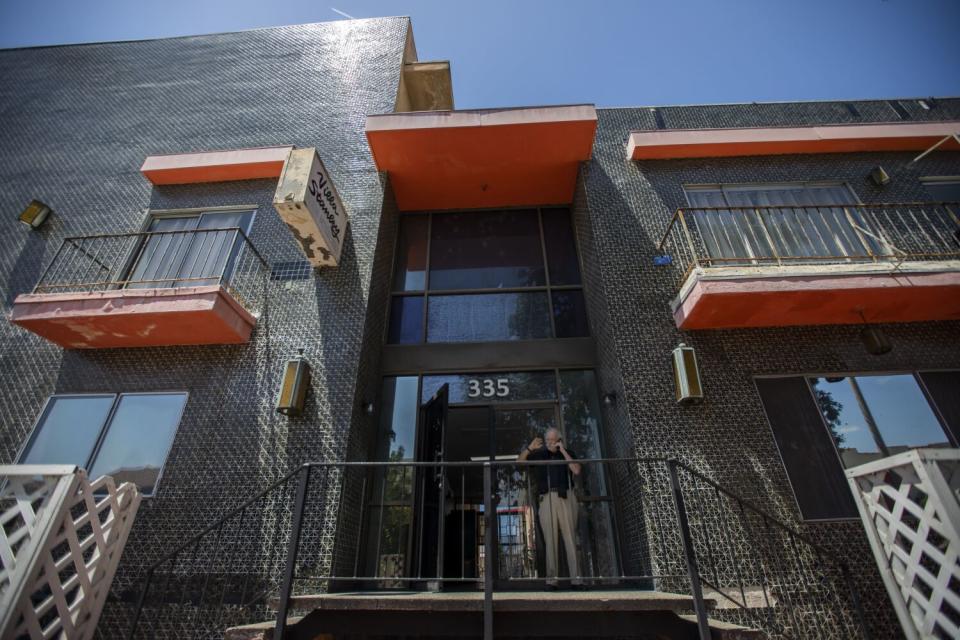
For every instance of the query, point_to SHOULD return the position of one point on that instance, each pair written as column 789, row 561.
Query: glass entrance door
column 492, row 432
column 424, row 526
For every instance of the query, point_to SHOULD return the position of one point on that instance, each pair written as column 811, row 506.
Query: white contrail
column 345, row 15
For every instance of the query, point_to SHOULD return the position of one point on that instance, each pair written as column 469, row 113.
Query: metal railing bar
column 227, row 516
column 728, row 543
column 690, row 555
column 772, row 550
column 760, row 512
column 363, row 513
column 286, row 587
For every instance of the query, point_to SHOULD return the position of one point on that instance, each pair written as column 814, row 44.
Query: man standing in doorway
column 558, row 504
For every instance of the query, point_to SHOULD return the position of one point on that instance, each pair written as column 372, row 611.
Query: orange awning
column 713, row 143
column 215, row 166
column 483, row 158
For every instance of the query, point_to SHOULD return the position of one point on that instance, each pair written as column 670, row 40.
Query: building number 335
column 488, row 388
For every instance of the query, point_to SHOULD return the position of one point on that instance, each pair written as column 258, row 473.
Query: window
column 127, row 436
column 737, row 223
column 943, row 188
column 189, row 249
column 875, row 416
column 486, row 276
column 823, row 424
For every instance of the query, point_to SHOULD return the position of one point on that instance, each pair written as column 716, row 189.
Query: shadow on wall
column 33, row 257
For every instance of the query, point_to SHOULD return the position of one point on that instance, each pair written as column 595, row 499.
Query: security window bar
column 127, row 436
column 782, row 235
column 176, row 250
column 486, row 276
column 172, row 256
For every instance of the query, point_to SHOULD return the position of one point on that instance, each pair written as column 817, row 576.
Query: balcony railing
column 159, row 260
column 61, row 537
column 910, row 508
column 753, row 236
column 699, row 539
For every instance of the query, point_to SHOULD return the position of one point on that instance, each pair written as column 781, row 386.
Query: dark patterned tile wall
column 727, row 436
column 78, row 122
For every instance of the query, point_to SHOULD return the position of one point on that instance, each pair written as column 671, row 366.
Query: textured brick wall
column 76, row 124
column 727, row 436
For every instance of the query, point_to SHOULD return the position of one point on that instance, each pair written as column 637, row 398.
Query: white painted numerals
column 488, row 388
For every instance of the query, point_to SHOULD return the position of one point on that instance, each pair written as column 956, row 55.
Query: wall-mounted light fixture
column 686, row 374
column 879, row 176
column 874, row 340
column 293, row 387
column 609, row 399
column 367, row 407
column 35, row 214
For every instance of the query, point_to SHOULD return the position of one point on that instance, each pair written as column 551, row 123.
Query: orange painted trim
column 481, row 159
column 135, row 317
column 818, row 300
column 714, row 143
column 215, row 166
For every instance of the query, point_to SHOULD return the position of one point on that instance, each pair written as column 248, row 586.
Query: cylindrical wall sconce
column 686, row 375
column 293, row 387
column 35, row 214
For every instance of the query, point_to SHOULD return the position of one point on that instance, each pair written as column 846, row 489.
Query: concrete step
column 727, row 631
column 503, row 601
column 642, row 614
column 718, row 630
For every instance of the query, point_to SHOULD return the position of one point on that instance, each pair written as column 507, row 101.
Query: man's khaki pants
column 559, row 516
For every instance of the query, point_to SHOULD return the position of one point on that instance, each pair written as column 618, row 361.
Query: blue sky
column 609, row 53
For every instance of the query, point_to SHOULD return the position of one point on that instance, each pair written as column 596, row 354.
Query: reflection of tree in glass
column 831, row 409
column 393, row 540
column 398, row 478
column 525, row 316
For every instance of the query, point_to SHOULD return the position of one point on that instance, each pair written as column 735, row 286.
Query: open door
column 431, row 489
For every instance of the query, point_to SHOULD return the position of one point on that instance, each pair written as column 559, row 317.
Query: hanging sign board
column 308, row 203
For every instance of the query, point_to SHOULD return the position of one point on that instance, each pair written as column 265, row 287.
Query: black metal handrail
column 324, row 485
column 155, row 259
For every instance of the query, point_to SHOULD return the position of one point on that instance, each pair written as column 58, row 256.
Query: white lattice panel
column 60, row 544
column 909, row 505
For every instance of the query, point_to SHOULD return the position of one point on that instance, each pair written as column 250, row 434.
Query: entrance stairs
column 639, row 614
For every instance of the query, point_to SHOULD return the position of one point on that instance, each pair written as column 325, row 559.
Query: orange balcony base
column 709, row 302
column 135, row 317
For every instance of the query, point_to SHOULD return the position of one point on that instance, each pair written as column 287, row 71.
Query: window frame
column 104, row 427
column 846, row 374
column 149, row 215
column 548, row 288
column 927, row 181
column 724, row 187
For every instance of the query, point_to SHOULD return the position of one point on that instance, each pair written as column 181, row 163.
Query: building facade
column 501, row 272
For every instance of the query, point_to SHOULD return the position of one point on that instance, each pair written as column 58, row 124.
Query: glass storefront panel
column 406, row 320
column 488, row 317
column 469, row 254
column 486, row 250
column 570, row 314
column 489, row 415
column 561, row 247
column 411, row 266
